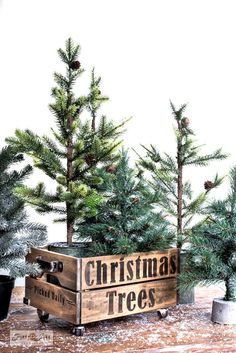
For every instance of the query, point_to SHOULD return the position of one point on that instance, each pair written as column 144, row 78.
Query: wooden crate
column 104, row 287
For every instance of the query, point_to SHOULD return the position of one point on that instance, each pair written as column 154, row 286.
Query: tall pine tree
column 127, row 221
column 75, row 149
column 212, row 258
column 167, row 175
column 17, row 233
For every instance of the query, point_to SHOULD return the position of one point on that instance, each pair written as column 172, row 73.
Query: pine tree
column 212, row 258
column 127, row 221
column 17, row 234
column 167, row 175
column 70, row 157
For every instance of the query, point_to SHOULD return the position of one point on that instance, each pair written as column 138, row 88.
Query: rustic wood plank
column 55, row 300
column 107, row 271
column 70, row 275
column 102, row 304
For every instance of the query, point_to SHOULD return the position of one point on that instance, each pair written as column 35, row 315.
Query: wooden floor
column 188, row 328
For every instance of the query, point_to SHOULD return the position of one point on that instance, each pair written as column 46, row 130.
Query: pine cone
column 208, row 185
column 185, row 122
column 90, row 159
column 135, row 200
column 75, row 65
column 111, row 169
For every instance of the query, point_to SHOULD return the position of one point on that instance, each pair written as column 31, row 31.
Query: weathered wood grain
column 55, row 300
column 70, row 275
column 106, row 271
column 104, row 287
column 107, row 303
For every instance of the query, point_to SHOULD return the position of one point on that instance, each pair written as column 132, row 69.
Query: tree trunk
column 179, row 191
column 93, row 125
column 230, row 284
column 70, row 228
column 69, row 218
column 180, row 200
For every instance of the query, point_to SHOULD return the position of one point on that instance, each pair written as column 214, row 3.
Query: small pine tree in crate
column 70, row 156
column 127, row 221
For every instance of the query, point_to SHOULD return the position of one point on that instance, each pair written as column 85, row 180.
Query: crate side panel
column 53, row 299
column 103, row 304
column 68, row 278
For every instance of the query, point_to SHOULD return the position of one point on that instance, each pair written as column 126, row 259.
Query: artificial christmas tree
column 212, row 258
column 167, row 175
column 71, row 156
column 17, row 234
column 127, row 221
column 69, row 282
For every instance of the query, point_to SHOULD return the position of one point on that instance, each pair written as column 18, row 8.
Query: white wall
column 147, row 52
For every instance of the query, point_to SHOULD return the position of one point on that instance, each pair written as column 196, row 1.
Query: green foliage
column 213, row 251
column 167, row 175
column 74, row 151
column 17, row 234
column 127, row 221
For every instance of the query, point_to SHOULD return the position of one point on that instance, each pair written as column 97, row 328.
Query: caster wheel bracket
column 78, row 330
column 162, row 313
column 43, row 315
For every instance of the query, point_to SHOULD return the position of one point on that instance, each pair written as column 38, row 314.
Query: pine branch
column 204, row 160
column 178, row 113
column 53, row 147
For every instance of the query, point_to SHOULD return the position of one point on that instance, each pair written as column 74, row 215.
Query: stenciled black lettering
column 151, row 295
column 88, row 266
column 111, row 295
column 49, row 294
column 122, row 270
column 152, row 267
column 164, row 266
column 144, row 268
column 173, row 264
column 131, row 297
column 121, row 296
column 141, row 297
column 101, row 272
column 114, row 266
column 137, row 261
column 130, row 275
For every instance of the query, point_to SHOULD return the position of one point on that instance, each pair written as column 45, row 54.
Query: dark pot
column 6, row 285
column 186, row 296
column 75, row 249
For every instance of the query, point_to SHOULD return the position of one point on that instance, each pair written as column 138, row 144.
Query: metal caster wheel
column 78, row 330
column 43, row 316
column 162, row 313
